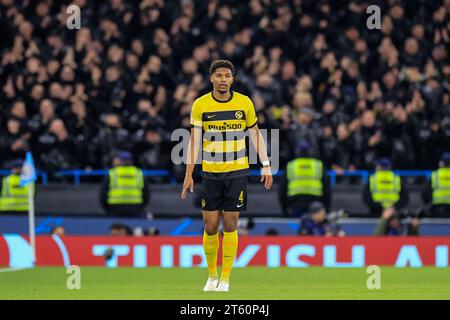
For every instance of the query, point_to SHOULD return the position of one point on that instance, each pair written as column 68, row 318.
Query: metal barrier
column 77, row 174
column 364, row 174
column 333, row 175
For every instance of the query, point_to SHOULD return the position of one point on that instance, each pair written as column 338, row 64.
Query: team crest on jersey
column 238, row 114
column 203, row 203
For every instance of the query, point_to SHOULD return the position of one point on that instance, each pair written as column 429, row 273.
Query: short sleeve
column 196, row 115
column 251, row 114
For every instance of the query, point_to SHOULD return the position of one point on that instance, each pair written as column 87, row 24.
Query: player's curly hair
column 221, row 64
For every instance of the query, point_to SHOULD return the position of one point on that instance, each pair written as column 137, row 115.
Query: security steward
column 13, row 196
column 436, row 195
column 385, row 190
column 303, row 183
column 124, row 192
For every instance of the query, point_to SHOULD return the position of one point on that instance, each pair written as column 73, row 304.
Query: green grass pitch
column 246, row 283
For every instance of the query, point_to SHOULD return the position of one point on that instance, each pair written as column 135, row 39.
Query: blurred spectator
column 81, row 127
column 120, row 229
column 394, row 223
column 315, row 223
column 153, row 231
column 58, row 230
column 112, row 137
column 354, row 94
column 116, row 230
column 152, row 152
column 14, row 143
column 56, row 148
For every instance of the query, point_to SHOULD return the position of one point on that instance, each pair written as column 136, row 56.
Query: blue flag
column 28, row 171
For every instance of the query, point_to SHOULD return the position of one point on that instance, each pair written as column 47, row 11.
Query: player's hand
column 188, row 183
column 266, row 177
column 388, row 213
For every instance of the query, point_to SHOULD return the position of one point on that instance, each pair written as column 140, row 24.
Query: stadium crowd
column 313, row 69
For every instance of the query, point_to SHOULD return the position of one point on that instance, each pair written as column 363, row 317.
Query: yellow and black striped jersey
column 224, row 153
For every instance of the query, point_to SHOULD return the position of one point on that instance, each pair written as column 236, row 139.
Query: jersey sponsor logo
column 223, row 115
column 225, row 126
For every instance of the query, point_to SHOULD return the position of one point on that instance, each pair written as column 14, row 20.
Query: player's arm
column 192, row 153
column 260, row 147
column 193, row 147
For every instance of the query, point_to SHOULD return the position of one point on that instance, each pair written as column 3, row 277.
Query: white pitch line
column 14, row 269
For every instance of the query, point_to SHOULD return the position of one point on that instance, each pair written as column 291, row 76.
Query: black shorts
column 227, row 194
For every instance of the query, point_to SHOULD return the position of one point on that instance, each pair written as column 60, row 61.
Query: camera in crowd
column 335, row 216
column 318, row 223
column 400, row 222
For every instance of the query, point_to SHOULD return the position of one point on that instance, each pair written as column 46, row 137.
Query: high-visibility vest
column 440, row 182
column 14, row 197
column 304, row 177
column 126, row 184
column 385, row 187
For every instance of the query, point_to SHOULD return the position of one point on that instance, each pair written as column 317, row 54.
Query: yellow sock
column 211, row 247
column 229, row 249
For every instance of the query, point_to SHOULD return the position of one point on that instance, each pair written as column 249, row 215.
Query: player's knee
column 211, row 229
column 230, row 226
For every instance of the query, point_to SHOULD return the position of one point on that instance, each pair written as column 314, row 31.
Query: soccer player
column 223, row 116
